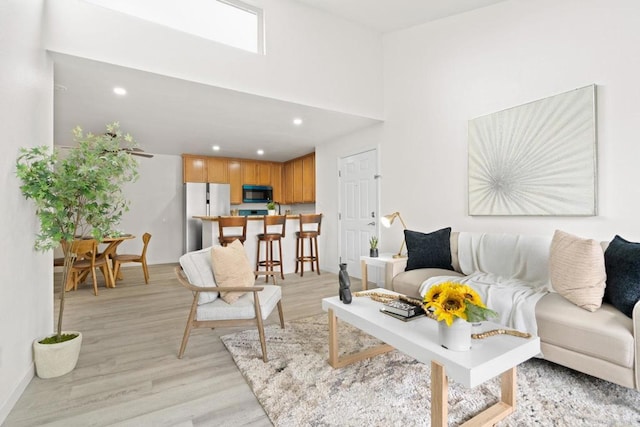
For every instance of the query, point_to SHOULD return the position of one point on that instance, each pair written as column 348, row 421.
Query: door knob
column 372, row 223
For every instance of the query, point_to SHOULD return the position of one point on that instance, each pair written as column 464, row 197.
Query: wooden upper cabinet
column 194, row 169
column 297, row 181
column 299, row 176
column 218, row 170
column 287, row 185
column 293, row 181
column 256, row 172
column 309, row 178
column 276, row 182
column 235, row 179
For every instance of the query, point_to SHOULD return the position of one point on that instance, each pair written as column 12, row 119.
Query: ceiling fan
column 133, row 151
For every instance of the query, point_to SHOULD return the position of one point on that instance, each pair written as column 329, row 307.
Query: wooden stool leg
column 316, row 255
column 258, row 258
column 311, row 253
column 281, row 262
column 297, row 253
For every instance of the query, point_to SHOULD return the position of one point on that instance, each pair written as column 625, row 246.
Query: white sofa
column 601, row 343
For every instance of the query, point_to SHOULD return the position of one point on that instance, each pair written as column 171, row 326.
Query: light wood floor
column 128, row 373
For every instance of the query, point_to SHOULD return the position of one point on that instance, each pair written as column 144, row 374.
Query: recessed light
column 297, row 121
column 215, row 148
column 260, row 152
column 119, row 91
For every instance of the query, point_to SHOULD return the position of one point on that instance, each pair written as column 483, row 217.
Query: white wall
column 157, row 208
column 327, row 190
column 442, row 74
column 312, row 58
column 26, row 277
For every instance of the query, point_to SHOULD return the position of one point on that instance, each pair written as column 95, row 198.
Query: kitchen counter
column 249, row 217
column 255, row 227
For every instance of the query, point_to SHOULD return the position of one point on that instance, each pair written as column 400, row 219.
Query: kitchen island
column 255, row 226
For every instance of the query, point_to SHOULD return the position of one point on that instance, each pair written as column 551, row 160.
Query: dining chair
column 87, row 261
column 141, row 258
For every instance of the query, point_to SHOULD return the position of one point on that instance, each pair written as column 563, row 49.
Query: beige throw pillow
column 576, row 269
column 231, row 268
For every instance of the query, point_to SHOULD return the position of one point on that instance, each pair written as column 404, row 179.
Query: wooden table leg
column 439, row 395
column 338, row 362
column 365, row 278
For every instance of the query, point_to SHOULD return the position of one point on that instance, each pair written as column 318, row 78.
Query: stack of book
column 402, row 310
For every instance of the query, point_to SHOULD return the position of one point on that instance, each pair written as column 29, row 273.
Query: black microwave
column 257, row 193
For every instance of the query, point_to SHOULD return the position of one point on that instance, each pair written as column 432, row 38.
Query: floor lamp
column 386, row 222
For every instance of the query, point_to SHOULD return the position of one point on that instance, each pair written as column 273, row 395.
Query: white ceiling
column 172, row 116
column 391, row 15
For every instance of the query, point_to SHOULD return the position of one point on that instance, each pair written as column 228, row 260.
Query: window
column 231, row 22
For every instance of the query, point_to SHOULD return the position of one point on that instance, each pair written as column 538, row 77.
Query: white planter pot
column 271, row 212
column 54, row 360
column 456, row 337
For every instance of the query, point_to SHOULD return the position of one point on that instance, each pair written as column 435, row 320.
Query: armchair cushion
column 243, row 308
column 231, row 268
column 197, row 267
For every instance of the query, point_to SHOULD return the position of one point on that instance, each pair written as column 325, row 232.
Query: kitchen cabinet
column 218, row 170
column 309, row 178
column 235, row 179
column 287, row 184
column 293, row 181
column 300, row 180
column 194, row 169
column 276, row 182
column 256, row 172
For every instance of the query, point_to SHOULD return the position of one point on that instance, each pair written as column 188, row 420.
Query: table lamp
column 386, row 222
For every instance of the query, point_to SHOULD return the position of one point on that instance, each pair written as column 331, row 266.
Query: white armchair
column 209, row 311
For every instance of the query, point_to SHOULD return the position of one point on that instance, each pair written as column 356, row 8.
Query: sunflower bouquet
column 449, row 300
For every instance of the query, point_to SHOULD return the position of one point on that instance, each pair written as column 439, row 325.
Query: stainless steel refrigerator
column 202, row 199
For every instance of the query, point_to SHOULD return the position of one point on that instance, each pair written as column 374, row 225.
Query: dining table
column 112, row 243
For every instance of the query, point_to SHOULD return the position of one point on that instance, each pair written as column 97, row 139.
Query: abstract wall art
column 536, row 159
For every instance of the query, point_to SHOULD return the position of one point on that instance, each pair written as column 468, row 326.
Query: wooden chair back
column 228, row 229
column 279, row 222
column 310, row 223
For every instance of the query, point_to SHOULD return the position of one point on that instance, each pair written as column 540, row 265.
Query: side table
column 385, row 260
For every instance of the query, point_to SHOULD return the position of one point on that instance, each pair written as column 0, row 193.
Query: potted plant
column 271, row 208
column 76, row 193
column 373, row 247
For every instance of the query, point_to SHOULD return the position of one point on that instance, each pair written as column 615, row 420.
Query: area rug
column 297, row 387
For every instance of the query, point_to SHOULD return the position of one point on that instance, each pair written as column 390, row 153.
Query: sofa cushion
column 622, row 261
column 197, row 267
column 576, row 269
column 231, row 268
column 605, row 334
column 408, row 282
column 428, row 250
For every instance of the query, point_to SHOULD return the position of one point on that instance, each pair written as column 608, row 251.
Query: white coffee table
column 488, row 358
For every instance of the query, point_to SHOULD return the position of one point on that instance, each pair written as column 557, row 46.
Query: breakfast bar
column 255, row 227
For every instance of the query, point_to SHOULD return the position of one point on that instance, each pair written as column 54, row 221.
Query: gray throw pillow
column 428, row 250
column 622, row 262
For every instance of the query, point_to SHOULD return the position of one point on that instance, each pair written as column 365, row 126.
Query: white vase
column 54, row 360
column 271, row 211
column 456, row 337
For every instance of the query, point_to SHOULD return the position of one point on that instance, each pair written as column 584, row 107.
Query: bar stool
column 269, row 236
column 309, row 229
column 234, row 222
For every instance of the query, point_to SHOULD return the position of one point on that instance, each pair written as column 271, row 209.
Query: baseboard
column 8, row 405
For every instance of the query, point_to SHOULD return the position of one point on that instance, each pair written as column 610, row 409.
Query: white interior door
column 358, row 215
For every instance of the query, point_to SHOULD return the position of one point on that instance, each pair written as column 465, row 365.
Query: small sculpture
column 345, row 284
